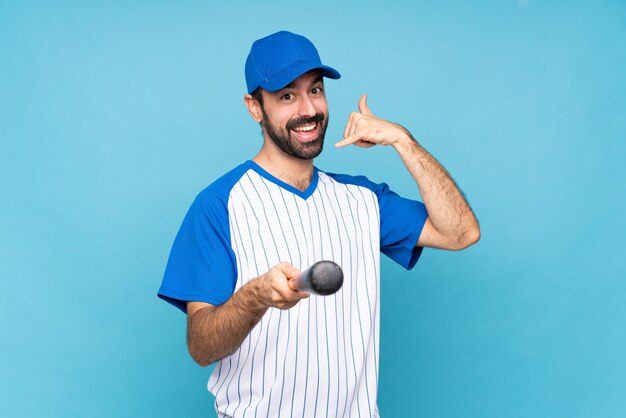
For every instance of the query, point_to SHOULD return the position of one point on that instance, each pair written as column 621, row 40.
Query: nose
column 306, row 107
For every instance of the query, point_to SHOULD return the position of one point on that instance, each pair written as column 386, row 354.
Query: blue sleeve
column 401, row 223
column 201, row 266
column 401, row 220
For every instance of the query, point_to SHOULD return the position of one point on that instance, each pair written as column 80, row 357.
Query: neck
column 293, row 171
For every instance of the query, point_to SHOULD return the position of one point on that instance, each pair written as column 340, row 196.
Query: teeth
column 305, row 128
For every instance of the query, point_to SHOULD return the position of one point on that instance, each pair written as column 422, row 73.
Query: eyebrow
column 293, row 83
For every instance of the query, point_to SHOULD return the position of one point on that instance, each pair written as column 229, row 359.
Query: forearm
column 215, row 332
column 451, row 223
column 448, row 210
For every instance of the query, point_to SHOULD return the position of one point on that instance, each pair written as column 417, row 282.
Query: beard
column 282, row 136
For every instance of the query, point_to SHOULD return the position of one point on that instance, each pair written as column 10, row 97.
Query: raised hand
column 366, row 130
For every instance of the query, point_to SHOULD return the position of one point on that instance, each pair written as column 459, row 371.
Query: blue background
column 113, row 116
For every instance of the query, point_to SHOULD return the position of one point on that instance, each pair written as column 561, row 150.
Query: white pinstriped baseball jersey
column 319, row 358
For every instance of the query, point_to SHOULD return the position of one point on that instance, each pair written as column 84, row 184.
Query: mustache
column 294, row 123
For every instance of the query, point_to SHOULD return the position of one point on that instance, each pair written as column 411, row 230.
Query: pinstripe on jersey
column 320, row 358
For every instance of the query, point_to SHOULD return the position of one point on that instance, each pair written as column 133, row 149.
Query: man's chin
column 310, row 150
column 297, row 145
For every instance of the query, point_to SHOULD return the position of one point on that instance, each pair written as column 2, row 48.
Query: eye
column 287, row 97
column 317, row 90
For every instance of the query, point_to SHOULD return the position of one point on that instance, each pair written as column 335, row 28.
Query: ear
column 254, row 107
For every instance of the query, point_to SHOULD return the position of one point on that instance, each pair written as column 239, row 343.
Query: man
column 246, row 237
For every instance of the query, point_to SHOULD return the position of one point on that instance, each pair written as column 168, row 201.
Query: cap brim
column 290, row 73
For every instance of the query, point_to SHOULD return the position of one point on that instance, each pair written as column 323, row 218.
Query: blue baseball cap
column 280, row 58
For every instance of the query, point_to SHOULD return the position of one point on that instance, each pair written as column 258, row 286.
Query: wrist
column 404, row 141
column 256, row 298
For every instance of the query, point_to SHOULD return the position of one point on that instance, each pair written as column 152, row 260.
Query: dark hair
column 258, row 96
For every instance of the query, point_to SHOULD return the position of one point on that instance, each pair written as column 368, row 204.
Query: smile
column 305, row 128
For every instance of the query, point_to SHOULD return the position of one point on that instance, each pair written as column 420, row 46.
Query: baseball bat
column 322, row 278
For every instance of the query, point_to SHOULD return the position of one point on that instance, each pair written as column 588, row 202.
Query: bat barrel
column 322, row 278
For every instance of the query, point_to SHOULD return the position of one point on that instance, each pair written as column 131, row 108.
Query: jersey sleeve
column 401, row 223
column 201, row 266
column 401, row 220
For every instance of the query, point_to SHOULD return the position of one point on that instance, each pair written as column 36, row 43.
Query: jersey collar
column 287, row 187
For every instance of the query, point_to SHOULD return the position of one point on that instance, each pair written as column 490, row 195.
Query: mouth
column 306, row 129
column 307, row 132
